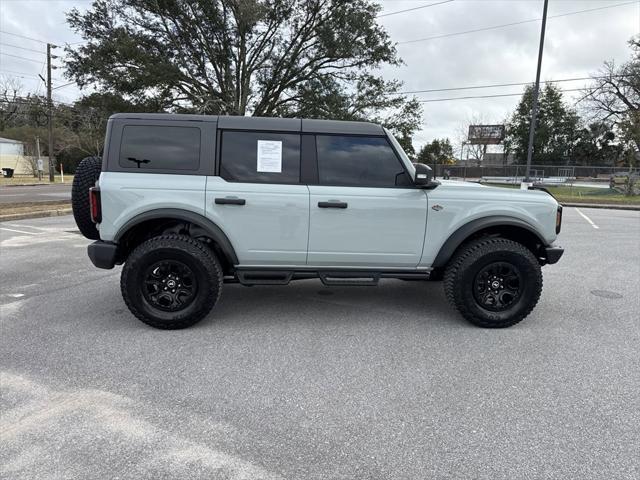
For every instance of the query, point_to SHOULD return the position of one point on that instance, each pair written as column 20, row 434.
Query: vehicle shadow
column 311, row 301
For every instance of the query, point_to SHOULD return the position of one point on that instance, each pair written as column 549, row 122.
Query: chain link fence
column 516, row 173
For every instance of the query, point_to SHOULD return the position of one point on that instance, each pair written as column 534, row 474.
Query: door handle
column 230, row 201
column 332, row 204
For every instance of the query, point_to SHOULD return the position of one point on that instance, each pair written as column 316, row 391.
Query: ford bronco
column 189, row 202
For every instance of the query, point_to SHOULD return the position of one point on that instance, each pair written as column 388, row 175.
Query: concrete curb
column 27, row 184
column 597, row 205
column 43, row 213
column 36, row 184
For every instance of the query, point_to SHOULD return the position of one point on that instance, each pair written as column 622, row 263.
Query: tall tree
column 10, row 101
column 614, row 97
column 556, row 127
column 438, row 151
column 87, row 118
column 595, row 146
column 244, row 57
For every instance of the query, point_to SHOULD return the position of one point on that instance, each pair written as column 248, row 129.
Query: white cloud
column 575, row 46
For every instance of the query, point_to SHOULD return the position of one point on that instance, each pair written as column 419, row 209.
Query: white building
column 10, row 147
column 12, row 155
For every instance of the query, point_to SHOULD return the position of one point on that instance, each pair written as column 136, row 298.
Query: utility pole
column 536, row 90
column 50, row 110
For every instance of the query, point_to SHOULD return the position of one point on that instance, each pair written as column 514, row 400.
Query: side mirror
column 424, row 175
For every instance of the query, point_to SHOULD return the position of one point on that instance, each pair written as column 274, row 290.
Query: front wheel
column 493, row 282
column 171, row 281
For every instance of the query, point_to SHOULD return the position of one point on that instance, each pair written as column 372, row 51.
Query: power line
column 23, row 36
column 41, row 77
column 30, row 77
column 2, row 72
column 25, row 74
column 62, row 86
column 23, row 48
column 474, row 87
column 446, row 35
column 42, row 41
column 21, row 58
column 414, row 8
column 487, row 96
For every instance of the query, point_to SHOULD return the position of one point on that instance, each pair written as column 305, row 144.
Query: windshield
column 403, row 156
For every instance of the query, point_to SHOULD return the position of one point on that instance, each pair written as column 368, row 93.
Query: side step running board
column 361, row 279
column 264, row 277
column 329, row 278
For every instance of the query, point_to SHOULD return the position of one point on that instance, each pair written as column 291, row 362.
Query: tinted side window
column 260, row 157
column 356, row 161
column 147, row 147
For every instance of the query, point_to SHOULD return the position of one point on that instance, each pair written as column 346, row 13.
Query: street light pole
column 536, row 90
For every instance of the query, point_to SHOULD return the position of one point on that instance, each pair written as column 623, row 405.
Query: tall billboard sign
column 485, row 134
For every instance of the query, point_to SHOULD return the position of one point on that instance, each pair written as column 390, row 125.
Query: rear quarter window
column 160, row 148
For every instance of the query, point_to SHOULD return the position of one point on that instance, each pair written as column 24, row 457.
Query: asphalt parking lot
column 312, row 382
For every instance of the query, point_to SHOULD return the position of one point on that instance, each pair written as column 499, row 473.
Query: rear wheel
column 85, row 177
column 171, row 281
column 493, row 282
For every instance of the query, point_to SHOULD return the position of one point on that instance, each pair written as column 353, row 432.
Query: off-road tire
column 173, row 247
column 470, row 259
column 85, row 177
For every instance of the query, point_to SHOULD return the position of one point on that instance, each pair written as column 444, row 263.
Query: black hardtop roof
column 264, row 123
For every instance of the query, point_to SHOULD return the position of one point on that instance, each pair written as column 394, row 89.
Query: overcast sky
column 576, row 45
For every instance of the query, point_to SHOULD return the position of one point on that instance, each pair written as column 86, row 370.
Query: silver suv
column 189, row 202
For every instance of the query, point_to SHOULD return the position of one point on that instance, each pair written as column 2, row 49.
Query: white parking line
column 587, row 218
column 18, row 231
column 25, row 226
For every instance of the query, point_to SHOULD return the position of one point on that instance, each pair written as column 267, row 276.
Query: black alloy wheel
column 169, row 285
column 497, row 286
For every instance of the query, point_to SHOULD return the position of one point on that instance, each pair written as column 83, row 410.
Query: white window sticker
column 270, row 156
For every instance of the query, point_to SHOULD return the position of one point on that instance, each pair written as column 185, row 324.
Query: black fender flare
column 465, row 231
column 213, row 230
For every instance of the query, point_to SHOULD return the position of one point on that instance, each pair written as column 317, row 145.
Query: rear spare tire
column 85, row 177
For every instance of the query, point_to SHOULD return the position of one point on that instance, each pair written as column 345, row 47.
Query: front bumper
column 553, row 254
column 103, row 254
